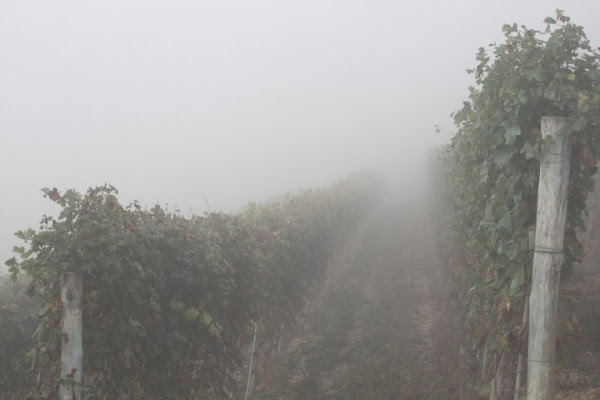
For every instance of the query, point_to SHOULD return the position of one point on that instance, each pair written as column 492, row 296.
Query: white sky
column 171, row 101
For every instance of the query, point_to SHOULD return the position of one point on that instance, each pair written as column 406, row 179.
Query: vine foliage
column 17, row 321
column 169, row 301
column 491, row 170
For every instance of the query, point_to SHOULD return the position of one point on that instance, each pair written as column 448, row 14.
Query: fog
column 201, row 104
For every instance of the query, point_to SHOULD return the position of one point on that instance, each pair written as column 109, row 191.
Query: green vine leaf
column 489, row 174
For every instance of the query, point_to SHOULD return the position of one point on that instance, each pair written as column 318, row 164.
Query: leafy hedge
column 489, row 174
column 169, row 301
column 18, row 320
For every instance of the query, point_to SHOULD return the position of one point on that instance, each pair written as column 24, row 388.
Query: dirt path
column 369, row 333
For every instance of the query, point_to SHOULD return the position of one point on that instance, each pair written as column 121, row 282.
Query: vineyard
column 344, row 292
column 169, row 302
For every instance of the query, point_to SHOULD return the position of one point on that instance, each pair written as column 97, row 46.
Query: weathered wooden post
column 71, row 357
column 519, row 371
column 498, row 379
column 251, row 361
column 548, row 258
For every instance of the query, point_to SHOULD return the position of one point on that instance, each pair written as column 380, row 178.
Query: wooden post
column 547, row 260
column 484, row 363
column 71, row 357
column 519, row 372
column 498, row 379
column 251, row 361
column 279, row 339
column 517, row 394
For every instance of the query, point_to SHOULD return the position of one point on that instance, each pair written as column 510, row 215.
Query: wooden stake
column 484, row 363
column 71, row 357
column 251, row 361
column 517, row 394
column 497, row 383
column 519, row 372
column 547, row 260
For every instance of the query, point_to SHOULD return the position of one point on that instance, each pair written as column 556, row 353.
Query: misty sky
column 174, row 101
